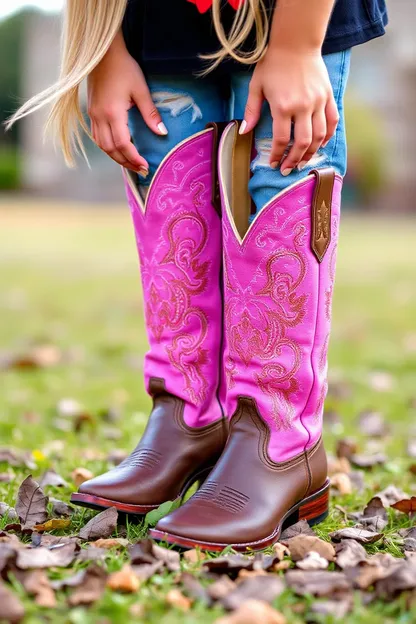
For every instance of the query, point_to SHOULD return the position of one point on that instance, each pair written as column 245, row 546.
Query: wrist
column 292, row 52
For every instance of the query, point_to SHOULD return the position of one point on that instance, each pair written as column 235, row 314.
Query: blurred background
column 381, row 114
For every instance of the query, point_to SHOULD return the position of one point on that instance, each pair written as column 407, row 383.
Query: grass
column 69, row 277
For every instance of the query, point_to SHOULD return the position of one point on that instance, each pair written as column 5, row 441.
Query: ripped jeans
column 187, row 104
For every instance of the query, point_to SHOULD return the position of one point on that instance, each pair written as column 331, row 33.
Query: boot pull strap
column 321, row 211
column 218, row 128
column 240, row 177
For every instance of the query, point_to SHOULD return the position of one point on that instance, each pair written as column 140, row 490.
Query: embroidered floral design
column 257, row 320
column 171, row 281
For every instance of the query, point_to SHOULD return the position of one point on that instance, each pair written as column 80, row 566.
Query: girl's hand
column 114, row 86
column 297, row 88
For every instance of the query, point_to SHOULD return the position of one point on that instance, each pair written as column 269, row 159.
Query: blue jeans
column 188, row 104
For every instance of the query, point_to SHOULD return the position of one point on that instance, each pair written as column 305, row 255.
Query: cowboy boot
column 278, row 282
column 178, row 234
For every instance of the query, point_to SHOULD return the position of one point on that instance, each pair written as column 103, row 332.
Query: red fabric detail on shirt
column 204, row 5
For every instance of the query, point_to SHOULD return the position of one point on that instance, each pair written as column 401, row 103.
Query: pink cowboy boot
column 278, row 283
column 178, row 233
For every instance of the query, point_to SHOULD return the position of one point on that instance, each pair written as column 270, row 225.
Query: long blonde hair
column 88, row 31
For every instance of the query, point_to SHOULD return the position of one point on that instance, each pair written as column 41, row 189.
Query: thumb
column 253, row 110
column 151, row 116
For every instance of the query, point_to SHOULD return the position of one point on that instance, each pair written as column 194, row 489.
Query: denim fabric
column 188, row 104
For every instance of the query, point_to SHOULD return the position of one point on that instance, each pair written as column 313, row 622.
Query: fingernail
column 143, row 173
column 302, row 164
column 162, row 128
column 243, row 127
column 286, row 172
column 274, row 164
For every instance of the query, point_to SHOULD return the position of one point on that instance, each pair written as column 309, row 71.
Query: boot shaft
column 278, row 282
column 178, row 235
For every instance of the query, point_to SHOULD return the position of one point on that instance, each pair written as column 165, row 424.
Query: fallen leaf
column 92, row 587
column 349, row 553
column 408, row 532
column 374, row 516
column 125, row 580
column 7, row 555
column 112, row 542
column 31, row 503
column 357, row 480
column 175, row 598
column 280, row 550
column 356, row 533
column 312, row 561
column 194, row 589
column 346, row 447
column 407, row 506
column 336, row 609
column 337, row 465
column 43, row 557
column 282, row 565
column 145, row 551
column 80, row 475
column 53, row 479
column 8, row 512
column 52, row 525
column 245, row 574
column 92, row 554
column 39, row 356
column 145, row 571
column 170, row 557
column 317, row 582
column 372, row 424
column 193, row 556
column 368, row 461
column 265, row 588
column 101, row 525
column 300, row 528
column 12, row 609
column 341, row 482
column 253, row 612
column 367, row 573
column 36, row 583
column 391, row 494
column 401, row 578
column 16, row 459
column 59, row 508
column 69, row 581
column 221, row 588
column 301, row 545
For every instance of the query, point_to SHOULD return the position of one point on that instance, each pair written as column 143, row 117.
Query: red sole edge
column 96, row 502
column 314, row 509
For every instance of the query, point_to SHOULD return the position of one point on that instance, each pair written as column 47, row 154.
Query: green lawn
column 69, row 278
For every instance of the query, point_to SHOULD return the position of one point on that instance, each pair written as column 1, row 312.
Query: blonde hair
column 88, row 31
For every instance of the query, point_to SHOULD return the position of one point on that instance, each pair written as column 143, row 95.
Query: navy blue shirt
column 167, row 36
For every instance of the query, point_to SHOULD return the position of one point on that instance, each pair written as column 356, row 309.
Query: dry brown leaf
column 40, row 356
column 281, row 551
column 112, row 542
column 101, row 526
column 145, row 551
column 402, row 577
column 245, row 574
column 193, row 556
column 53, row 524
column 37, row 584
column 12, row 610
column 391, row 494
column 221, row 588
column 346, row 447
column 342, row 482
column 145, row 571
column 374, row 516
column 253, row 612
column 59, row 508
column 16, row 458
column 300, row 528
column 312, row 561
column 356, row 533
column 265, row 588
column 193, row 588
column 301, row 545
column 337, row 465
column 42, row 557
column 407, row 506
column 80, row 475
column 336, row 609
column 175, row 598
column 317, row 582
column 349, row 553
column 125, row 580
column 52, row 478
column 282, row 565
column 92, row 587
column 368, row 461
column 31, row 503
column 367, row 573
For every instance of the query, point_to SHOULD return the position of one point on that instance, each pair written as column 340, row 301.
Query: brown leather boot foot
column 168, row 460
column 248, row 499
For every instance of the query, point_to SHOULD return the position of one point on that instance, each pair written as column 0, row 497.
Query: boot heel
column 316, row 507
